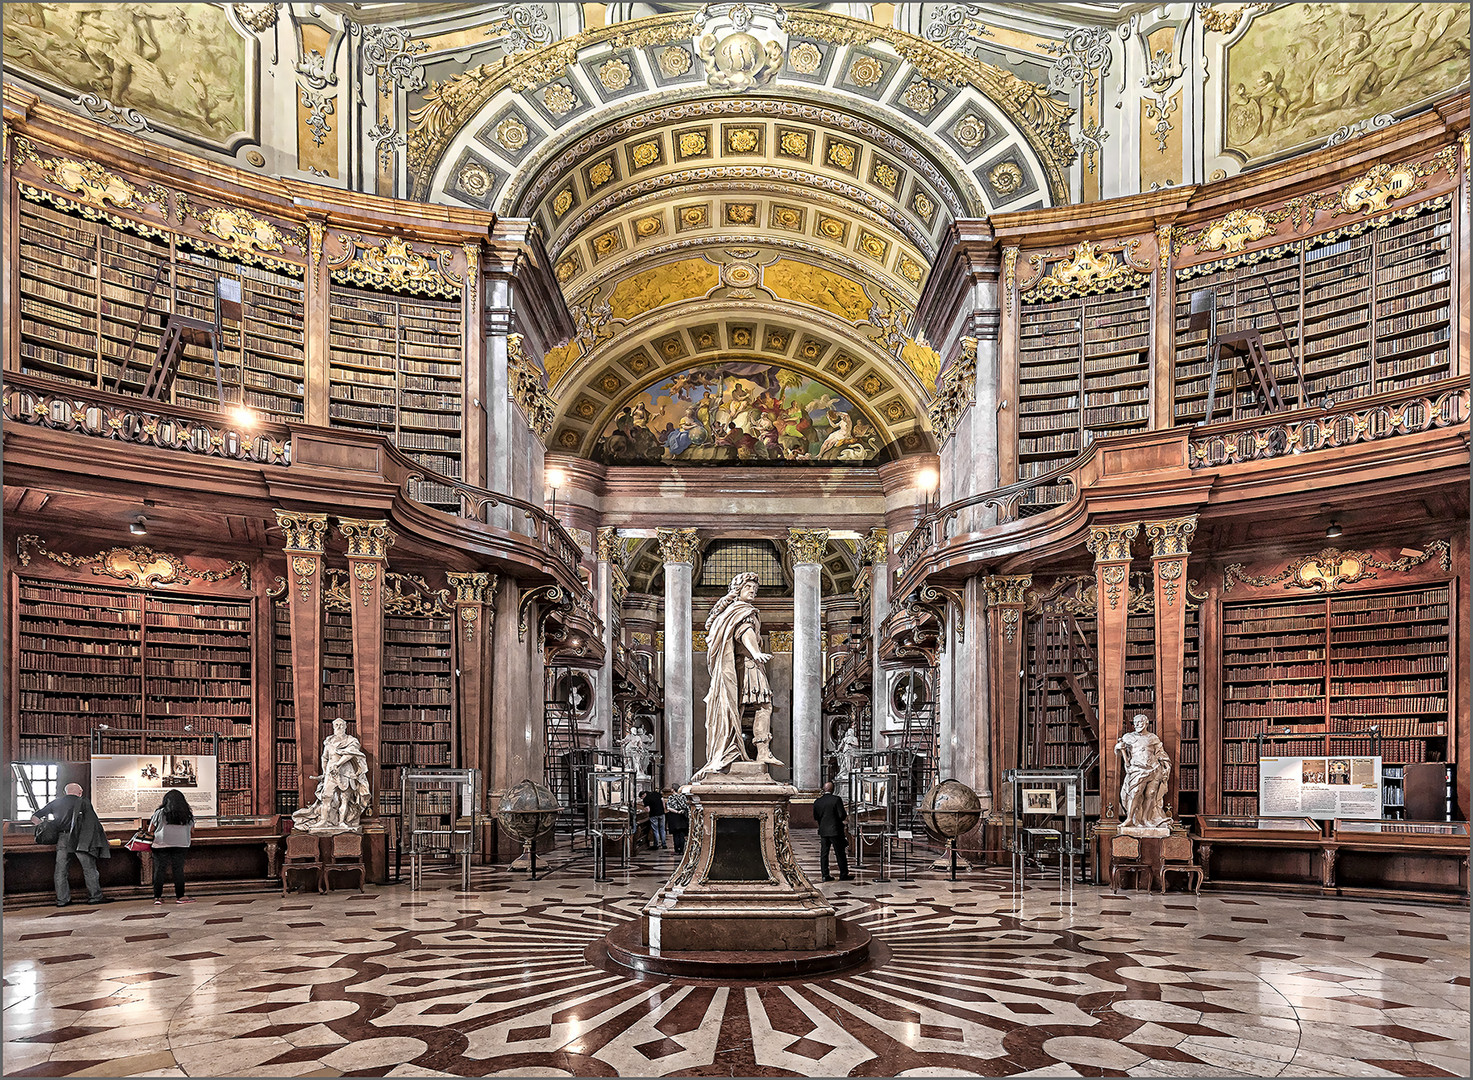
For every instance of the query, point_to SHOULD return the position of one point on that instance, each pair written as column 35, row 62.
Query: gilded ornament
column 1006, row 589
column 1009, row 276
column 615, row 75
column 969, row 131
column 674, row 62
column 955, row 392
column 256, row 17
column 559, row 99
column 1218, row 20
column 610, row 547
column 566, row 268
column 368, row 538
column 474, row 179
column 94, row 186
column 923, row 205
column 876, row 247
column 910, row 270
column 841, row 155
column 794, row 144
column 737, row 62
column 805, row 58
column 1330, row 568
column 808, row 546
column 742, row 140
column 741, row 275
column 677, row 545
column 512, row 134
column 304, row 532
column 1113, row 576
column 1084, row 271
column 1110, row 543
column 741, row 213
column 472, row 264
column 525, row 388
column 366, row 573
column 865, row 72
column 646, row 153
column 1169, row 573
column 396, row 265
column 1236, row 230
column 1380, row 187
column 920, row 96
column 601, row 173
column 1172, row 536
column 1005, row 178
column 237, row 228
column 304, row 567
column 886, row 176
column 646, row 227
column 562, row 202
column 140, row 565
column 692, row 143
column 787, row 217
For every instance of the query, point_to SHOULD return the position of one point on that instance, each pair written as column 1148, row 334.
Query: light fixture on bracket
column 139, row 526
column 1334, row 532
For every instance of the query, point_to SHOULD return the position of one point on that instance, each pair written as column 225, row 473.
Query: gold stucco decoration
column 668, row 283
column 394, row 264
column 805, row 58
column 140, row 566
column 788, row 279
column 615, row 75
column 1087, row 270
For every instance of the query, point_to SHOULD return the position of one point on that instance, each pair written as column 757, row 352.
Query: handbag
column 49, row 831
column 142, row 840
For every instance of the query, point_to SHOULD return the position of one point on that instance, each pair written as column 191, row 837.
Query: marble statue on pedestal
column 638, row 746
column 344, row 794
column 1143, row 788
column 848, row 754
column 738, row 679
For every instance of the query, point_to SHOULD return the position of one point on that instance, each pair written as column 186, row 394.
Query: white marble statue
column 344, row 794
column 738, row 679
column 1143, row 786
column 848, row 753
column 638, row 746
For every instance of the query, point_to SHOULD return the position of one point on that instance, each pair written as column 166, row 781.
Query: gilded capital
column 620, row 588
column 473, row 588
column 304, row 532
column 1171, row 538
column 1111, row 543
column 610, row 546
column 874, row 548
column 677, row 545
column 1006, row 588
column 368, row 538
column 808, row 545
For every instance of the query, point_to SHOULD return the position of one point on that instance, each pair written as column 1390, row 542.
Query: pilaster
column 807, row 548
column 1170, row 540
column 1110, row 545
column 368, row 557
column 305, row 534
column 475, row 610
column 1005, row 595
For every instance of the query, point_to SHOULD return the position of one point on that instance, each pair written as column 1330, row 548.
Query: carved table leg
column 1205, row 850
column 1327, row 866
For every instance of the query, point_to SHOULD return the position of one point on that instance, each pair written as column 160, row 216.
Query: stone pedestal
column 738, row 887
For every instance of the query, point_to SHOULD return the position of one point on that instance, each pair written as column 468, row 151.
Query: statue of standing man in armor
column 738, row 679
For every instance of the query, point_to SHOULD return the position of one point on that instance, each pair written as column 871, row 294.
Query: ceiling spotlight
column 139, row 527
column 1334, row 530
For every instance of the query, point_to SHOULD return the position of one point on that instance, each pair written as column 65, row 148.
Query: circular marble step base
column 624, row 947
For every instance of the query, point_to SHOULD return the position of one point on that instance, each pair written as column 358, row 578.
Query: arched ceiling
column 690, row 226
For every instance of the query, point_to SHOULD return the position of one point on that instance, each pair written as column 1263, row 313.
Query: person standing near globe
column 738, row 679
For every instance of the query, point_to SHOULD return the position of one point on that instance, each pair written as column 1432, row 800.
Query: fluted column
column 1170, row 540
column 475, row 607
column 368, row 560
column 807, row 547
column 610, row 550
column 304, row 538
column 678, row 550
column 1110, row 545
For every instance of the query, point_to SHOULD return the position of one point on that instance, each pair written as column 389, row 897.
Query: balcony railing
column 102, row 414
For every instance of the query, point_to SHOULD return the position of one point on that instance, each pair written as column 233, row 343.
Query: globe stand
column 951, row 860
column 527, row 860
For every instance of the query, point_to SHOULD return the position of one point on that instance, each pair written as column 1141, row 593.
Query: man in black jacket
column 829, row 812
column 656, row 806
column 82, row 835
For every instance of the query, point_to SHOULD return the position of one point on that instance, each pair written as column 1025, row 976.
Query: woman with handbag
column 172, row 826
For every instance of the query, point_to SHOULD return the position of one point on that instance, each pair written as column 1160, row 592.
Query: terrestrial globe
column 528, row 811
column 950, row 809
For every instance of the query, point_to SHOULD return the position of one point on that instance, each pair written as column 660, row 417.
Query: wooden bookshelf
column 83, row 287
column 1367, row 312
column 1189, row 748
column 338, row 696
column 396, row 369
column 1329, row 669
column 284, row 710
column 418, row 725
column 1083, row 373
column 135, row 661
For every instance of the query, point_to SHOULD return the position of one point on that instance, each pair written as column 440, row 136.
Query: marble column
column 678, row 550
column 610, row 549
column 1169, row 542
column 807, row 547
column 305, row 534
column 1110, row 545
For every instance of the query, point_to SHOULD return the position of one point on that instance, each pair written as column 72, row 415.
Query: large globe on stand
column 528, row 811
column 950, row 810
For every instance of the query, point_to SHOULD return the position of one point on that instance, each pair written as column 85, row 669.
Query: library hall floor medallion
column 968, row 980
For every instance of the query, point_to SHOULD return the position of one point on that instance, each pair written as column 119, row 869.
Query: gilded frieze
column 789, row 279
column 660, row 285
column 1330, row 568
column 1086, row 270
column 393, row 264
column 140, row 565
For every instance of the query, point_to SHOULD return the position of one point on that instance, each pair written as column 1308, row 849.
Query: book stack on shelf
column 418, row 714
column 1189, row 753
column 1369, row 312
column 1329, row 670
column 339, row 699
column 396, row 370
column 83, row 288
column 288, row 795
column 1084, row 373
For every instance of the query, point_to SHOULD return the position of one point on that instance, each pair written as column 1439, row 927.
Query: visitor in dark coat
column 829, row 812
column 81, row 836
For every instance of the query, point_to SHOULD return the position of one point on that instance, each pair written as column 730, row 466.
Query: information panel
column 1334, row 786
column 133, row 785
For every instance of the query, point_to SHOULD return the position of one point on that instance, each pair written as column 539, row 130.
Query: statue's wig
column 733, row 593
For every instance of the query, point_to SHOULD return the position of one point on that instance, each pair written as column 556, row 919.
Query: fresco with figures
column 1303, row 70
column 748, row 412
column 180, row 65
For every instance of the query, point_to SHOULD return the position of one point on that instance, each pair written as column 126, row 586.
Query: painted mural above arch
column 747, row 411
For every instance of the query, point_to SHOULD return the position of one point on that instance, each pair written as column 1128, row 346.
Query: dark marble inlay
column 737, row 851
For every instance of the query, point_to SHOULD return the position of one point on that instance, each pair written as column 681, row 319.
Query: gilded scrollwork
column 1111, row 543
column 1330, row 568
column 368, row 538
column 677, row 545
column 305, row 532
column 525, row 387
column 955, row 391
column 394, row 264
column 139, row 565
column 1086, row 270
column 93, row 186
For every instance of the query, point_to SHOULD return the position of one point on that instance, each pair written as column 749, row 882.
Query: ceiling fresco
column 730, row 411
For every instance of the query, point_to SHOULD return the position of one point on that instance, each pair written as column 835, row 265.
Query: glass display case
column 1404, row 830
column 1208, row 825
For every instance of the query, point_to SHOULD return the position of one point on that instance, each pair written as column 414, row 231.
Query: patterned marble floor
column 978, row 981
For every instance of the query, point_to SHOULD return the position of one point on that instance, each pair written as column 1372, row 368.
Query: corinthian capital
column 472, row 588
column 304, row 532
column 368, row 538
column 677, row 545
column 1172, row 537
column 873, row 548
column 610, row 546
column 1006, row 588
column 808, row 545
column 1111, row 543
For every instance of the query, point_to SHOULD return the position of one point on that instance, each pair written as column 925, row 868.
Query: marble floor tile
column 978, row 979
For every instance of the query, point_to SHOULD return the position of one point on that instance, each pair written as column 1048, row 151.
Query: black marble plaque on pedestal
column 738, row 851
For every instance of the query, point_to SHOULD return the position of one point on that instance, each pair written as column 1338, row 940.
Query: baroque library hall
column 743, row 538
